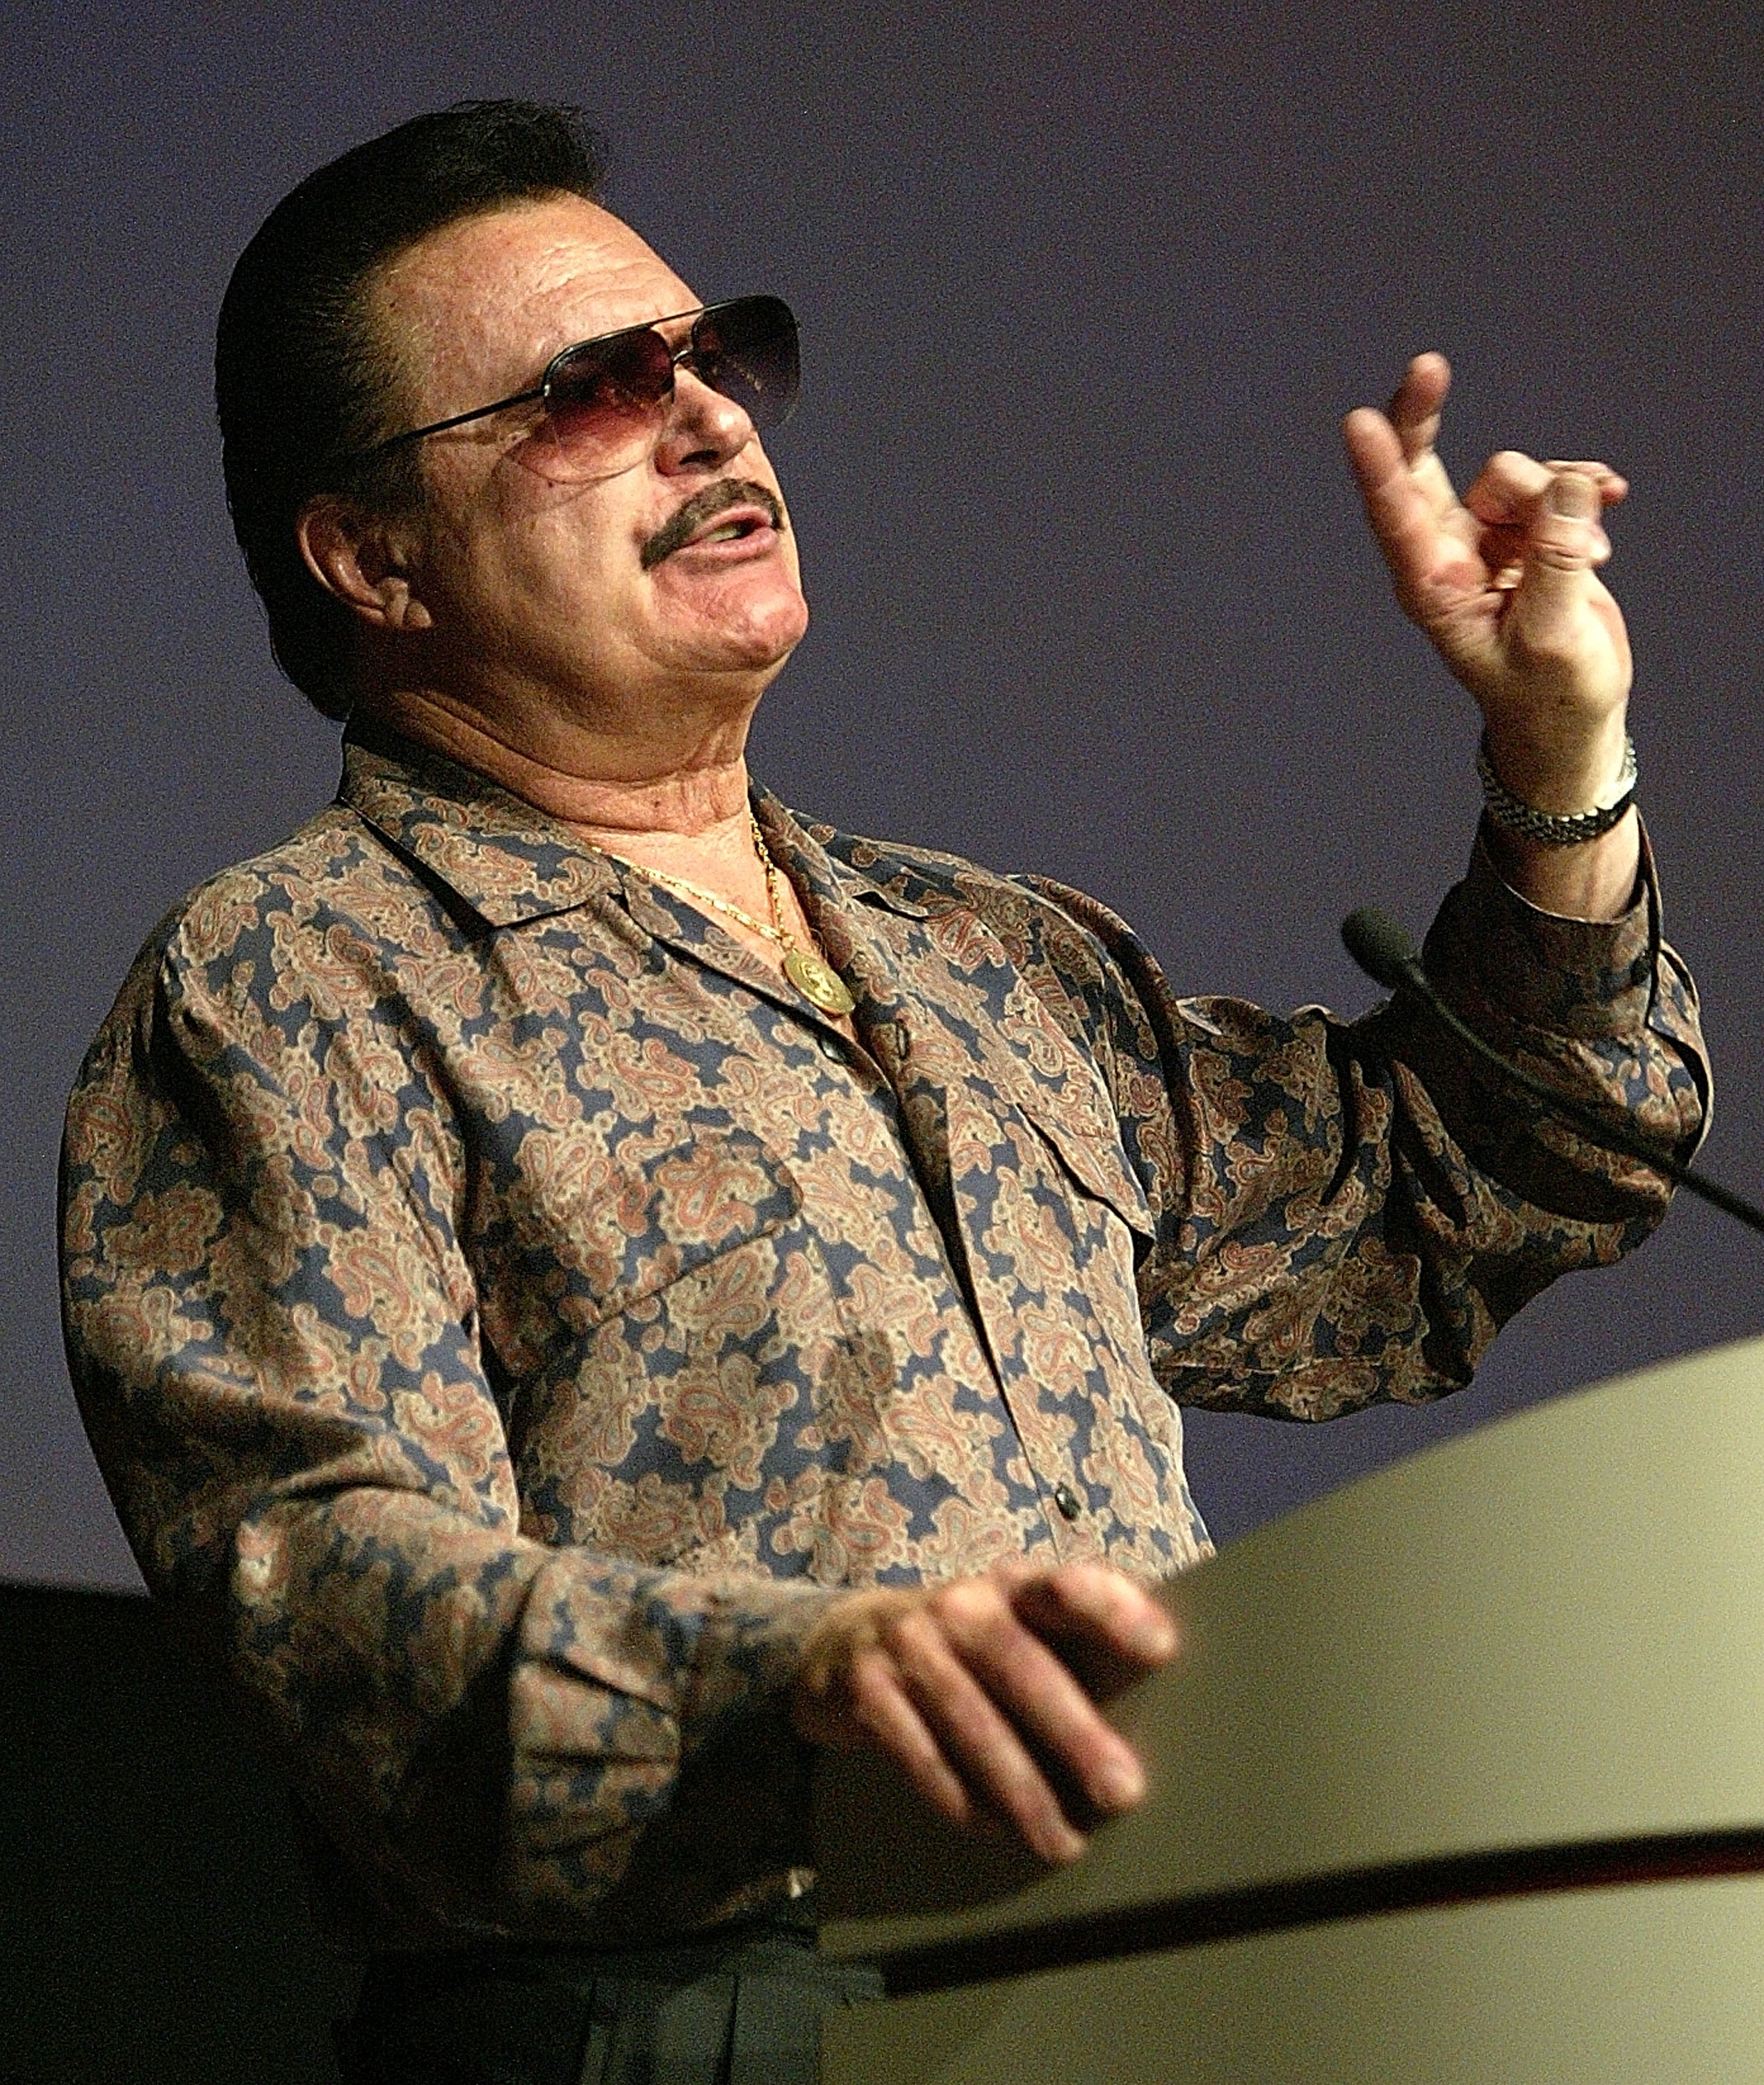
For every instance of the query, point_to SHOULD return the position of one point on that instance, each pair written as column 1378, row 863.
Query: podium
column 1458, row 1775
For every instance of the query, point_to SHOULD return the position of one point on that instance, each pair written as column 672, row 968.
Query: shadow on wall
column 153, row 1917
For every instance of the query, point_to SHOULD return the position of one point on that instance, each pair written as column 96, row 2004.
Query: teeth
column 726, row 533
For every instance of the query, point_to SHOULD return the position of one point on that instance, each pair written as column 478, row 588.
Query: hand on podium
column 985, row 1691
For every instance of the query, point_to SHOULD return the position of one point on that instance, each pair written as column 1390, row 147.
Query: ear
column 363, row 559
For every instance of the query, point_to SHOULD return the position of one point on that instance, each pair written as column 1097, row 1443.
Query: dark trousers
column 742, row 2011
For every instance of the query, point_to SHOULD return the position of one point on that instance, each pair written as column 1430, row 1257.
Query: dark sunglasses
column 605, row 399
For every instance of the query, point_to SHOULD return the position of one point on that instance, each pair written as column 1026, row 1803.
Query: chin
column 753, row 634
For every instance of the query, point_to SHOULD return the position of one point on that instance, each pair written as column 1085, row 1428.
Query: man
column 590, row 1290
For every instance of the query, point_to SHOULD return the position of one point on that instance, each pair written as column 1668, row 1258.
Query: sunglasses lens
column 747, row 350
column 602, row 401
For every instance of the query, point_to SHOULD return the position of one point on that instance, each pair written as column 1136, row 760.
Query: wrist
column 1559, row 810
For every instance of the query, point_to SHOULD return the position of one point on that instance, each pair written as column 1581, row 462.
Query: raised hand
column 1505, row 582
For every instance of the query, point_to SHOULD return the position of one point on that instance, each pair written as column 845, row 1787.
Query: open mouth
column 728, row 511
column 730, row 532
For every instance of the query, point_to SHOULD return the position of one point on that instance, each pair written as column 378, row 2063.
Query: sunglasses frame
column 542, row 389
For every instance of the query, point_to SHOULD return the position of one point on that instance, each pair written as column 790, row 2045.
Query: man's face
column 538, row 592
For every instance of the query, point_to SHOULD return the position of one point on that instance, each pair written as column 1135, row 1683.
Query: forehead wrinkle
column 476, row 311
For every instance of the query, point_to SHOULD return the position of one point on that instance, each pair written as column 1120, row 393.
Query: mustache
column 686, row 521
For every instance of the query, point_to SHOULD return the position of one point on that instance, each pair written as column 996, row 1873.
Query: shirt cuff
column 1493, row 955
column 658, row 1783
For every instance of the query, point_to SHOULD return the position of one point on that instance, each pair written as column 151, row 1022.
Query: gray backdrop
column 1085, row 290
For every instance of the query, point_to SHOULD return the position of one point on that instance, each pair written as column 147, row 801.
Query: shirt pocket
column 642, row 1226
column 1085, row 1140
column 574, row 1229
column 692, row 1394
column 1111, row 1229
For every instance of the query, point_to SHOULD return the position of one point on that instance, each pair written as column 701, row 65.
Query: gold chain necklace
column 814, row 978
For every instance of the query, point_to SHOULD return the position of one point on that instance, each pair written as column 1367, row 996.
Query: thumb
column 1564, row 542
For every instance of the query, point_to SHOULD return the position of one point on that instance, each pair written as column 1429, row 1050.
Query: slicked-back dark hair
column 302, row 385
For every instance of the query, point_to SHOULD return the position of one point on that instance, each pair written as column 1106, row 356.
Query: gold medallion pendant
column 819, row 983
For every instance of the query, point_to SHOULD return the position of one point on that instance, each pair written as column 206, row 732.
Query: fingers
column 1409, row 509
column 883, row 1713
column 1014, row 1723
column 1563, row 545
column 974, row 1688
column 1503, row 582
column 1420, row 525
column 1417, row 403
column 1109, row 1631
column 1509, row 485
column 1374, row 448
column 1380, row 443
column 1613, row 485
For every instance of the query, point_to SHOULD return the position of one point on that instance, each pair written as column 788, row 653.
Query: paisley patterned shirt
column 506, row 1313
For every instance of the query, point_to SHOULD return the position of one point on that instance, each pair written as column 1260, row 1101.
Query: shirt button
column 831, row 1051
column 1067, row 1499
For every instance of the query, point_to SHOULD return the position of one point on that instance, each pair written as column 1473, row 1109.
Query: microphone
column 1387, row 955
column 1384, row 952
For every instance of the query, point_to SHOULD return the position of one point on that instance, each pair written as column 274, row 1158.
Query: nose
column 704, row 429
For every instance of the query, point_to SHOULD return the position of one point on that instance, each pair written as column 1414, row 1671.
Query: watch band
column 1553, row 828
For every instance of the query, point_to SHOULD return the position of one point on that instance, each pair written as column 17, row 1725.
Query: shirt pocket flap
column 639, row 1227
column 1087, row 1141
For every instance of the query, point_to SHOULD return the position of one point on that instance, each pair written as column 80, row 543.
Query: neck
column 615, row 793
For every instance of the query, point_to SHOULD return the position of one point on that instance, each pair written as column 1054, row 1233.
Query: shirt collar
column 803, row 849
column 506, row 859
column 510, row 861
